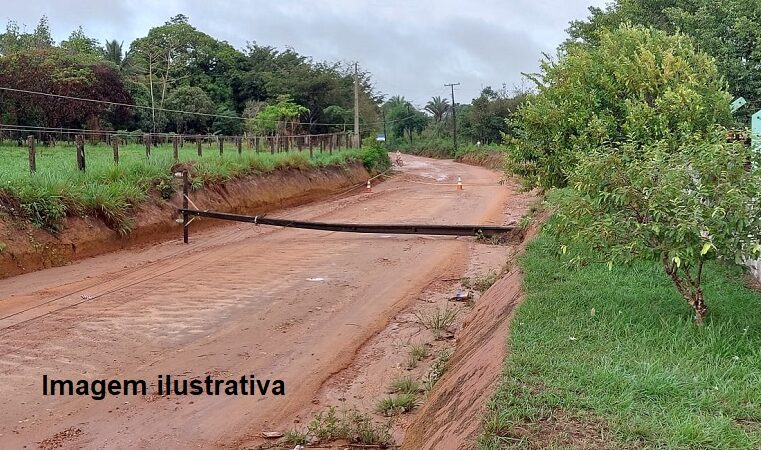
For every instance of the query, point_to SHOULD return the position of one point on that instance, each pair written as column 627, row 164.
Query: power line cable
column 175, row 111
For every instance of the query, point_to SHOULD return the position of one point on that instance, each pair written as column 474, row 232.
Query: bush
column 638, row 86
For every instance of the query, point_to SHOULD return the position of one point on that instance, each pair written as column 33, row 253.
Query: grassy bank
column 442, row 148
column 612, row 359
column 109, row 191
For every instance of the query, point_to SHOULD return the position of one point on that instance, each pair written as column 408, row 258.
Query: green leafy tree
column 638, row 85
column 274, row 119
column 403, row 118
column 632, row 126
column 14, row 40
column 486, row 120
column 682, row 208
column 728, row 30
column 82, row 45
column 193, row 100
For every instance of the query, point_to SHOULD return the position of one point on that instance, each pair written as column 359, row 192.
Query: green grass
column 109, row 191
column 612, row 359
column 437, row 320
column 352, row 425
column 404, row 385
column 417, row 353
column 397, row 404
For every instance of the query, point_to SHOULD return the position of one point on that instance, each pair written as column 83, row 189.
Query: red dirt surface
column 288, row 304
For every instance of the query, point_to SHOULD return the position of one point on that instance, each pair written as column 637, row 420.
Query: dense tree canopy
column 57, row 71
column 175, row 66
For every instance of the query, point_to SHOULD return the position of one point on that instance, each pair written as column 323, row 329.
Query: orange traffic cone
column 459, row 183
column 369, row 187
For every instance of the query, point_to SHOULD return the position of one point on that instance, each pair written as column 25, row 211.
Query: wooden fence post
column 322, row 144
column 239, row 144
column 271, row 141
column 199, row 146
column 32, row 154
column 80, row 140
column 175, row 148
column 311, row 147
column 257, row 141
column 221, row 140
column 115, row 147
column 147, row 142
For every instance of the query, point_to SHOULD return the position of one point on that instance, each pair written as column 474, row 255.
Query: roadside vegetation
column 351, row 426
column 638, row 329
column 110, row 191
column 612, row 359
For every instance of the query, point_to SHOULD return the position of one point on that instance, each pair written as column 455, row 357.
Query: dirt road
column 286, row 304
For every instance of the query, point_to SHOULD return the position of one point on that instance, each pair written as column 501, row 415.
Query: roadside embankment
column 26, row 248
column 450, row 417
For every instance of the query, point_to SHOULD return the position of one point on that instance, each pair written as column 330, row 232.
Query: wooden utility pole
column 409, row 115
column 454, row 115
column 385, row 135
column 357, row 140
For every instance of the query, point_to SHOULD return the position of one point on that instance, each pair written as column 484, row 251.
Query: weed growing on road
column 404, row 385
column 352, row 425
column 295, row 437
column 438, row 368
column 397, row 404
column 480, row 283
column 438, row 320
column 418, row 352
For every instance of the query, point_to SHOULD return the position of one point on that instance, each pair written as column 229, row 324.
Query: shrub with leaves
column 682, row 208
column 636, row 87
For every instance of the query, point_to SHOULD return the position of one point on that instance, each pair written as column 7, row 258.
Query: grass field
column 109, row 191
column 612, row 359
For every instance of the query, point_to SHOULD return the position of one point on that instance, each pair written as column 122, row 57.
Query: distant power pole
column 385, row 135
column 454, row 116
column 357, row 140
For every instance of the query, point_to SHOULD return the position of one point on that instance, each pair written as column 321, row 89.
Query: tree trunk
column 689, row 287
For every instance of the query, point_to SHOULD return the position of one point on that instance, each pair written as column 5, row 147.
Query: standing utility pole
column 454, row 115
column 357, row 142
column 385, row 135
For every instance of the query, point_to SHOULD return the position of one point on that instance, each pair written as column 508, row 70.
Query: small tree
column 274, row 118
column 638, row 85
column 632, row 125
column 681, row 208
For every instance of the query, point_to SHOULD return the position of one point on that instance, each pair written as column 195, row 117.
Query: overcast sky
column 412, row 47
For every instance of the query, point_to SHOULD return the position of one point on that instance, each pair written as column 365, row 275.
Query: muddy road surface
column 281, row 304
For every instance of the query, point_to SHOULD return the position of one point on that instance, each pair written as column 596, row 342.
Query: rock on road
column 282, row 304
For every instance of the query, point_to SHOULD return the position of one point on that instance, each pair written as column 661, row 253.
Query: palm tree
column 113, row 52
column 438, row 107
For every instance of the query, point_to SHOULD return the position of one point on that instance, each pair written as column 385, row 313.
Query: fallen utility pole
column 442, row 230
